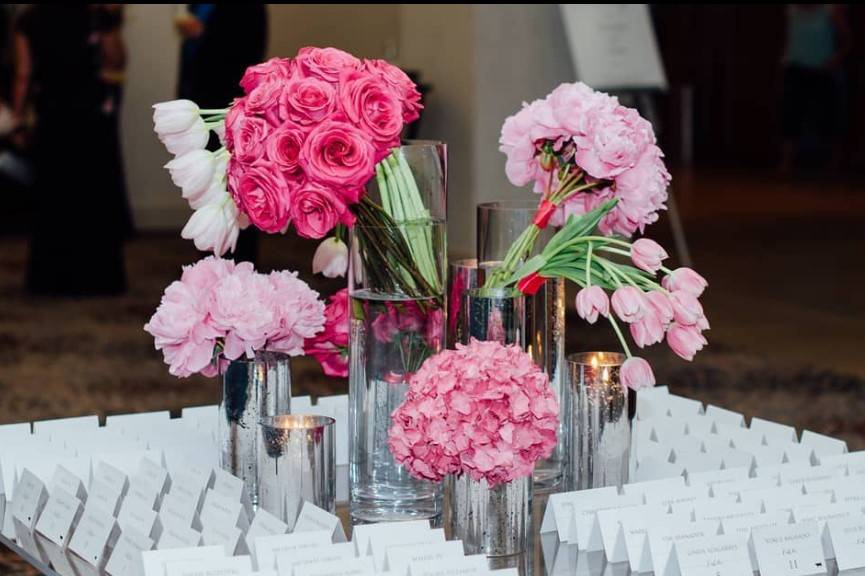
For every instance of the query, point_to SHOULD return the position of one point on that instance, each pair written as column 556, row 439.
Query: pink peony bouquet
column 484, row 409
column 299, row 145
column 330, row 346
column 222, row 309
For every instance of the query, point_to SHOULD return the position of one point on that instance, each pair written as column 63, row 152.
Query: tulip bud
column 174, row 116
column 331, row 258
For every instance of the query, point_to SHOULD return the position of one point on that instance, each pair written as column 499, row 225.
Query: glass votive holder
column 599, row 430
column 296, row 465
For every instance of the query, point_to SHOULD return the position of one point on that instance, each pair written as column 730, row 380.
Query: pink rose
column 402, row 84
column 315, row 210
column 249, row 137
column 264, row 196
column 330, row 347
column 326, row 63
column 275, row 67
column 233, row 119
column 264, row 98
column 338, row 154
column 307, row 101
column 283, row 147
column 373, row 106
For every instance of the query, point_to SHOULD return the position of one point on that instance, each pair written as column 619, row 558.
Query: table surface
column 529, row 564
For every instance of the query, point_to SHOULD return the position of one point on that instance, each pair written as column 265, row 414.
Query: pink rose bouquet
column 219, row 308
column 484, row 409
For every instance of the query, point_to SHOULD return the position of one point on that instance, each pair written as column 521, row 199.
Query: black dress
column 80, row 212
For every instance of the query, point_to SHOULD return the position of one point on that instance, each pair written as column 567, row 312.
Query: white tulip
column 220, row 132
column 174, row 116
column 193, row 138
column 214, row 227
column 331, row 258
column 209, row 195
column 193, row 171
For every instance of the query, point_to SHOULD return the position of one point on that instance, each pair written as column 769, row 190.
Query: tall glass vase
column 397, row 290
column 251, row 390
column 499, row 224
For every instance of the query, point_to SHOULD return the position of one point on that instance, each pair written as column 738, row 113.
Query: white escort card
column 635, row 524
column 353, row 567
column 62, row 426
column 725, row 418
column 734, row 458
column 155, row 561
column 362, row 533
column 681, row 407
column 719, row 510
column 29, row 500
column 399, row 558
column 263, row 524
column 670, row 496
column 459, row 566
column 713, row 478
column 267, row 547
column 650, row 469
column 774, row 432
column 664, row 534
column 312, row 519
column 66, row 480
column 848, row 541
column 232, row 487
column 743, row 486
column 559, row 513
column 178, row 508
column 115, row 478
column 801, row 474
column 105, row 496
column 696, row 462
column 221, row 510
column 820, row 515
column 287, row 562
column 137, row 515
column 379, row 543
column 126, row 558
column 797, row 453
column 153, row 475
column 699, row 426
column 585, row 530
column 661, row 485
column 229, row 537
column 58, row 517
column 174, row 535
column 744, row 525
column 823, row 445
column 610, row 525
column 792, row 550
column 95, row 532
column 228, row 566
column 714, row 552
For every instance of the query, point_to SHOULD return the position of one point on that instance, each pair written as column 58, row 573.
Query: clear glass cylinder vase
column 599, row 427
column 496, row 315
column 252, row 388
column 398, row 319
column 499, row 225
column 491, row 520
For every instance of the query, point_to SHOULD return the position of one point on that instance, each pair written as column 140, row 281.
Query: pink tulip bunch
column 222, row 309
column 484, row 409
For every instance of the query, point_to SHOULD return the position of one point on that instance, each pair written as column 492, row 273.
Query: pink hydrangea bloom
column 484, row 409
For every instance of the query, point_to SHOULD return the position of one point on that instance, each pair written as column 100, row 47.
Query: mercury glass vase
column 251, row 390
column 599, row 426
column 491, row 520
column 397, row 284
column 499, row 225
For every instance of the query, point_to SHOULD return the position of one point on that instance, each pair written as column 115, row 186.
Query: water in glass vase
column 391, row 336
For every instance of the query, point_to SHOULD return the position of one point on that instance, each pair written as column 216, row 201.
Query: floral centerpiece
column 483, row 414
column 601, row 176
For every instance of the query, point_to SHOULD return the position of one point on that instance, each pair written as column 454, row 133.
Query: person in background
column 68, row 62
column 813, row 103
column 220, row 42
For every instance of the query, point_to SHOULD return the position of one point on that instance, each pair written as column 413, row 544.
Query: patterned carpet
column 65, row 357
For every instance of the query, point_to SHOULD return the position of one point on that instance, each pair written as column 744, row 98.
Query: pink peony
column 301, row 314
column 592, row 301
column 315, row 211
column 484, row 409
column 629, row 304
column 636, row 374
column 686, row 280
column 307, row 101
column 264, row 196
column 614, row 138
column 244, row 306
column 326, row 63
column 647, row 255
column 338, row 154
column 330, row 346
column 374, row 107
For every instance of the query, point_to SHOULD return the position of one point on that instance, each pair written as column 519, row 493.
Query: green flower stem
column 589, row 265
column 614, row 274
column 213, row 110
column 618, row 332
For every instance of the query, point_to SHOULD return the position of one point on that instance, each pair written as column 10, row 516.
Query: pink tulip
column 629, row 303
column 661, row 305
column 686, row 280
column 687, row 310
column 685, row 341
column 636, row 374
column 592, row 301
column 648, row 330
column 647, row 255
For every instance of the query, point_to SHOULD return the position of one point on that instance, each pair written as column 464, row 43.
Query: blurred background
column 759, row 116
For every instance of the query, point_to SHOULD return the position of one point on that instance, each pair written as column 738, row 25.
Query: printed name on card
column 267, row 547
column 95, row 532
column 379, row 543
column 791, row 550
column 104, row 495
column 586, row 530
column 635, row 524
column 59, row 516
column 664, row 534
column 66, row 480
column 287, row 562
column 354, row 567
column 715, row 477
column 263, row 524
column 460, row 566
column 667, row 497
column 848, row 541
column 155, row 561
column 399, row 558
column 312, row 518
column 719, row 509
column 227, row 566
column 363, row 532
column 29, row 499
column 178, row 508
column 559, row 512
column 715, row 551
column 610, row 525
column 820, row 515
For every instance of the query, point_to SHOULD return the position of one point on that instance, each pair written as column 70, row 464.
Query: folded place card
column 267, row 547
column 664, row 534
column 823, row 445
column 774, row 498
column 714, row 444
column 766, row 456
column 54, row 553
column 29, row 500
column 58, row 517
column 649, row 402
column 681, row 407
column 69, row 482
column 559, row 512
column 686, row 444
column 725, row 418
column 143, row 493
column 229, row 537
column 718, row 509
column 713, row 552
column 154, row 562
column 650, row 469
column 651, row 486
column 12, row 433
column 800, row 474
column 232, row 487
column 312, row 518
column 820, row 515
column 744, row 525
column 610, row 525
column 138, row 515
column 696, row 462
column 263, row 524
column 651, row 450
column 588, row 529
column 176, row 535
column 732, row 569
column 223, row 510
column 774, row 432
column 190, row 487
column 743, row 486
column 669, row 496
column 179, row 508
column 734, row 458
column 851, row 492
column 399, row 558
column 353, row 567
column 201, row 417
column 741, row 438
column 61, row 426
column 459, row 566
column 700, row 426
column 791, row 550
column 287, row 562
column 848, row 541
column 713, row 478
column 665, row 429
column 153, row 474
column 797, row 453
column 95, row 532
column 226, row 566
column 115, row 478
column 379, row 542
column 104, row 495
column 635, row 524
column 126, row 558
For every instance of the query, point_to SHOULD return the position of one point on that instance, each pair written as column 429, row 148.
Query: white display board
column 613, row 46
